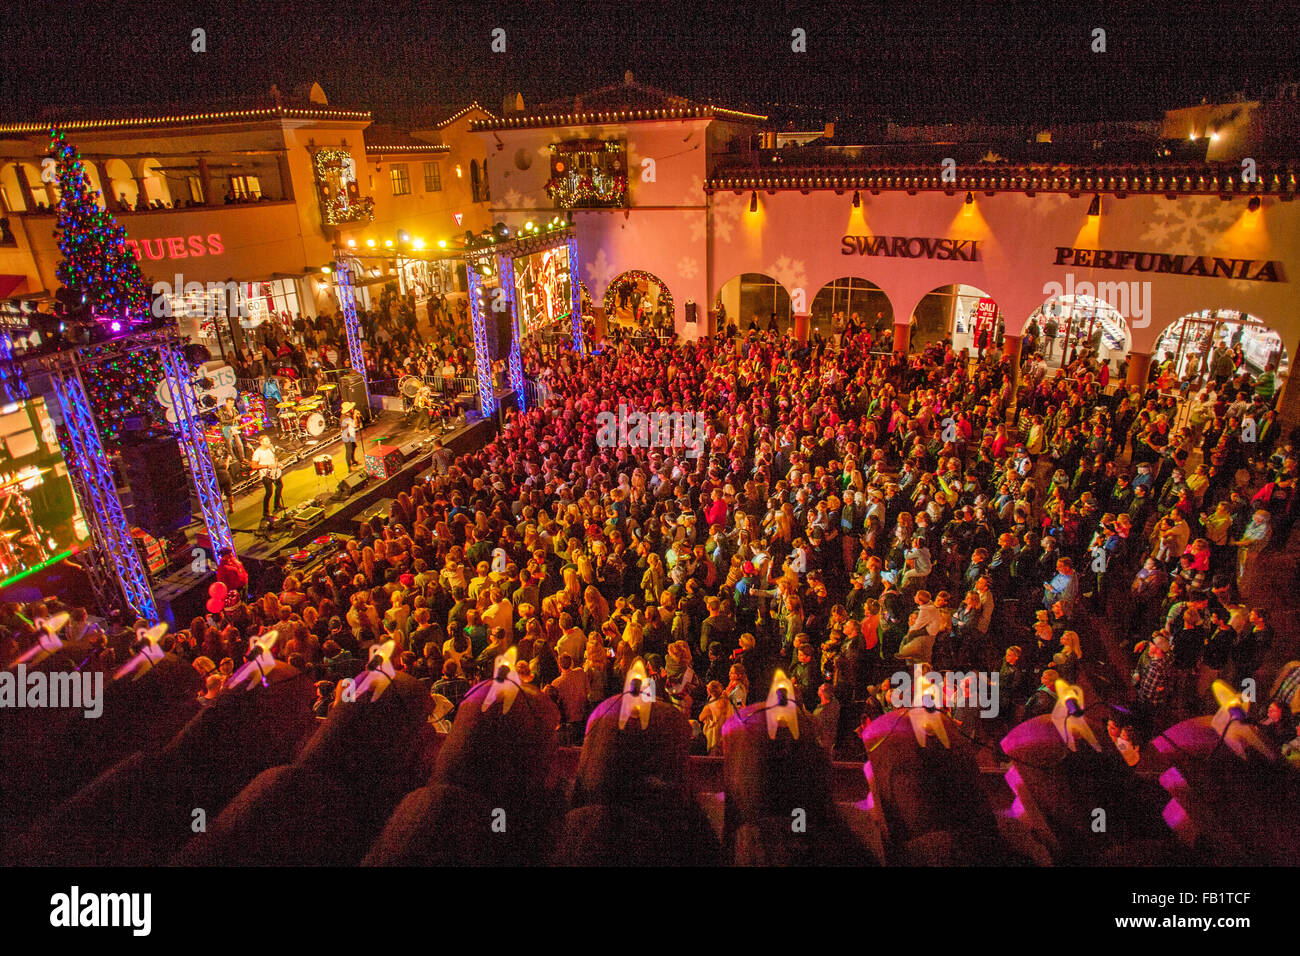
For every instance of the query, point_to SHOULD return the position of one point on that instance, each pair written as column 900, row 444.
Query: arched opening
column 43, row 196
column 753, row 297
column 122, row 185
column 154, row 178
column 639, row 299
column 1193, row 341
column 966, row 315
column 855, row 299
column 1066, row 324
column 10, row 191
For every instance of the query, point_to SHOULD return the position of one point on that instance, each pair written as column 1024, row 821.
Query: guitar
column 272, row 471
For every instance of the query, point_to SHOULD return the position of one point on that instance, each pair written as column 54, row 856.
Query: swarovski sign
column 911, row 247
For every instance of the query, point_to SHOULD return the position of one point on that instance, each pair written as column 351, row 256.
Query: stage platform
column 181, row 594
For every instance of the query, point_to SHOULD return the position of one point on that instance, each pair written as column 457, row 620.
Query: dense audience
column 848, row 515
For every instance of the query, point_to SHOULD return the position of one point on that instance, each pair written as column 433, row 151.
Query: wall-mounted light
column 352, row 243
column 753, row 202
column 325, row 269
column 857, row 199
column 388, row 243
column 1094, row 207
column 970, row 197
column 442, row 243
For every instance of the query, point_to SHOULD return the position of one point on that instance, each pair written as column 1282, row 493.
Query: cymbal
column 327, row 387
column 285, row 404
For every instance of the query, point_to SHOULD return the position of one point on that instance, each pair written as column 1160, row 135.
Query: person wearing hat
column 350, row 425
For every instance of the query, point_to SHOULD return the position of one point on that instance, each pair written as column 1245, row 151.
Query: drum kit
column 24, row 547
column 305, row 419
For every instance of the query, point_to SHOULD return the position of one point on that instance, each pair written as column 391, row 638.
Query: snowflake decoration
column 789, row 272
column 514, row 199
column 688, row 267
column 600, row 271
column 726, row 214
column 694, row 192
column 1191, row 223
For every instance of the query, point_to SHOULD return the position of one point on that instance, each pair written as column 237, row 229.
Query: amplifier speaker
column 352, row 388
column 351, row 485
column 159, row 485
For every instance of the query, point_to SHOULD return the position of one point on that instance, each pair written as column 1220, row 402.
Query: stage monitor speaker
column 351, row 485
column 410, row 450
column 160, row 485
column 352, row 388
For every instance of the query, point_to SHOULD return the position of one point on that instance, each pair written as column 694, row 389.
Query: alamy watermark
column 1132, row 300
column 206, row 299
column 656, row 429
column 956, row 689
column 77, row 691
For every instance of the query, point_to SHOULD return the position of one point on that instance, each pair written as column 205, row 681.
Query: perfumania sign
column 1253, row 270
column 911, row 247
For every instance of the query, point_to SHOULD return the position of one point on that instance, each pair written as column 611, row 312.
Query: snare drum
column 324, row 464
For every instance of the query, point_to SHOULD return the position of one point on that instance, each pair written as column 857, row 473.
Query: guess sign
column 177, row 247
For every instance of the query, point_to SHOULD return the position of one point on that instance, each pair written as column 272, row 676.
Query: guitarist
column 266, row 464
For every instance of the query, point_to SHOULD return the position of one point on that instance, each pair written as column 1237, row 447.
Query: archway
column 850, row 295
column 122, row 185
column 13, row 197
column 963, row 313
column 1190, row 342
column 753, row 297
column 154, row 178
column 1066, row 323
column 640, row 299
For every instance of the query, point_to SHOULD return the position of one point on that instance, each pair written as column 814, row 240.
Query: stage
column 181, row 594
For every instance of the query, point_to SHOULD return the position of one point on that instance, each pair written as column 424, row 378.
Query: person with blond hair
column 714, row 715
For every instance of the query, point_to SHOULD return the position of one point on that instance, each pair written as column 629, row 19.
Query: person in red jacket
column 232, row 574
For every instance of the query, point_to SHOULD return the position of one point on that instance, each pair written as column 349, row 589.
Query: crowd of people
column 853, row 514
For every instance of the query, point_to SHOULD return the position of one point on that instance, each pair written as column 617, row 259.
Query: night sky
column 905, row 60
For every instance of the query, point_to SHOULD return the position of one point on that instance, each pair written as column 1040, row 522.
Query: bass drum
column 315, row 424
column 408, row 386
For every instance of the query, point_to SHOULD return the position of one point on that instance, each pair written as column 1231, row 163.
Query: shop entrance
column 1191, row 341
column 639, row 299
column 847, row 296
column 753, row 297
column 963, row 313
column 1064, row 325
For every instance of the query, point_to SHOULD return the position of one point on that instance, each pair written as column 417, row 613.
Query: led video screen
column 542, row 291
column 40, row 518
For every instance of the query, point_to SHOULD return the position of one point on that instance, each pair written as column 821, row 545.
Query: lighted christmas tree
column 98, row 268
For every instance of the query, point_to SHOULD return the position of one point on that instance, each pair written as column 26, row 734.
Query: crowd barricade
column 536, row 393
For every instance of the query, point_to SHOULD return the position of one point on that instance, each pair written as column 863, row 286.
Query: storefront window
column 1073, row 322
column 849, row 295
column 1191, row 342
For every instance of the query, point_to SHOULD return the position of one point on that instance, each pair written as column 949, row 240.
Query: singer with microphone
column 266, row 464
